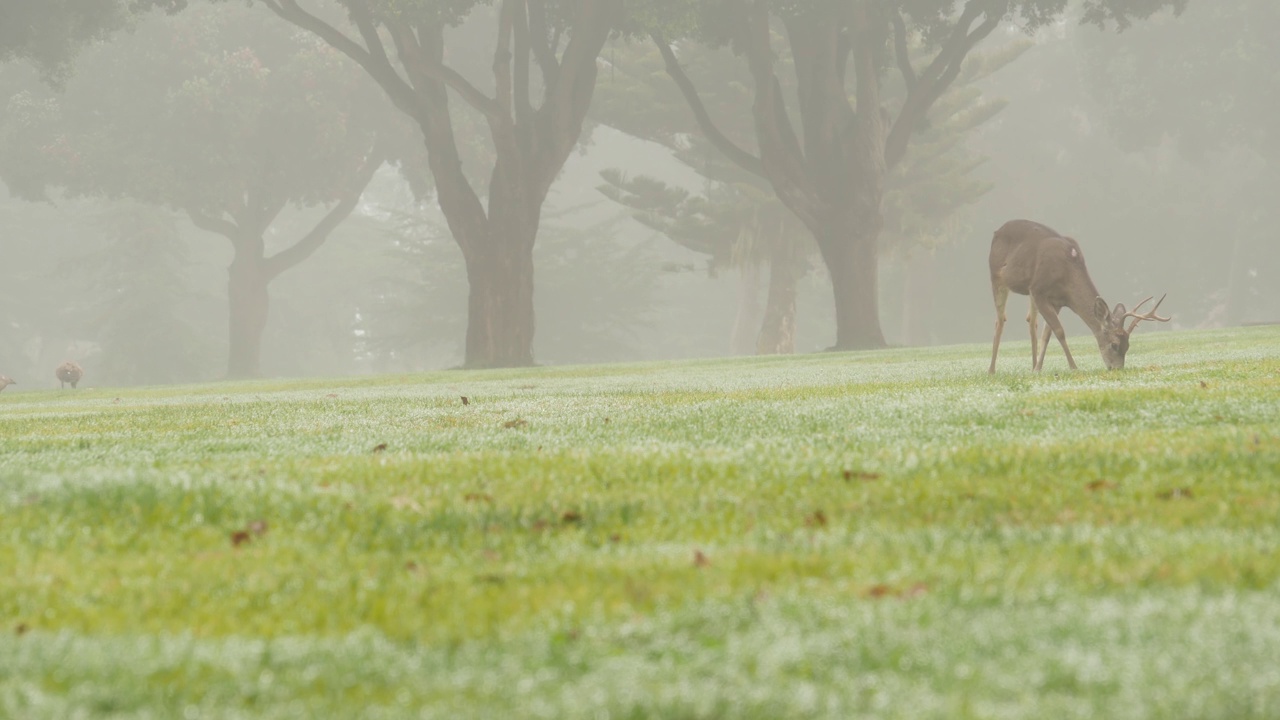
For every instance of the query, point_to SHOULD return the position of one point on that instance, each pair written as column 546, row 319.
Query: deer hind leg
column 1002, row 298
column 1051, row 319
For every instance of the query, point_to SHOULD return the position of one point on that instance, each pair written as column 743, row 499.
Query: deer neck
column 1082, row 298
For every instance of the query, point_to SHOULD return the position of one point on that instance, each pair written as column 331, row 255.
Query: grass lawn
column 891, row 535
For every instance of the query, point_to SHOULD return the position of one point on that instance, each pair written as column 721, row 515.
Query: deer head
column 1113, row 336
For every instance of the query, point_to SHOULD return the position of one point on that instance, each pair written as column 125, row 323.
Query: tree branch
column 373, row 59
column 940, row 74
column 217, row 226
column 414, row 60
column 740, row 157
column 544, row 49
column 312, row 241
column 900, row 50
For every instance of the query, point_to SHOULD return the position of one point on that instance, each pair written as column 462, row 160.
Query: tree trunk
column 500, row 316
column 747, row 317
column 778, row 332
column 851, row 256
column 248, row 297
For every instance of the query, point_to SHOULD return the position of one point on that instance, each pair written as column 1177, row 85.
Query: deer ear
column 1117, row 315
column 1100, row 310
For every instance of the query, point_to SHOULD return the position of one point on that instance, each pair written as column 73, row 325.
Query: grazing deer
column 6, row 381
column 1031, row 259
column 69, row 372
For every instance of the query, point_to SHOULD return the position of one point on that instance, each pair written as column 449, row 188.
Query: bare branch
column 740, row 157
column 937, row 77
column 373, row 59
column 900, row 50
column 312, row 241
column 215, row 225
column 416, row 61
column 544, row 49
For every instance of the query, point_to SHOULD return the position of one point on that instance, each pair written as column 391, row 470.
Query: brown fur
column 69, row 372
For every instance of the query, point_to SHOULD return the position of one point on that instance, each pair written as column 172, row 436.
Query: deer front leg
column 1001, row 298
column 1051, row 319
column 1032, row 320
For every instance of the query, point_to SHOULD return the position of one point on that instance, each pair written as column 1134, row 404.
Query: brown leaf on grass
column 817, row 519
column 1182, row 493
column 21, row 629
column 1100, row 484
column 606, row 421
column 615, row 538
column 412, row 567
column 571, row 517
column 859, row 475
column 380, row 447
column 879, row 591
column 257, row 527
column 700, row 560
column 239, row 537
column 518, row 422
column 466, row 400
column 1204, row 384
column 332, row 395
column 478, row 497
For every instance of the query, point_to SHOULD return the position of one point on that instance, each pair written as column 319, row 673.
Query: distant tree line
column 837, row 125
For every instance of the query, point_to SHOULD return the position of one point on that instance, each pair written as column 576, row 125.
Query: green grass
column 888, row 534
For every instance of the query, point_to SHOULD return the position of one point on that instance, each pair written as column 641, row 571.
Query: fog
column 218, row 192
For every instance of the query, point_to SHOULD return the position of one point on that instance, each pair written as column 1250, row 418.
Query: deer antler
column 1148, row 315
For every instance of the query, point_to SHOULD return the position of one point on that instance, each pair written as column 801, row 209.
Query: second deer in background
column 1034, row 260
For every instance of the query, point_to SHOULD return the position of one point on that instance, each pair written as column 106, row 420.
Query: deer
column 6, row 381
column 69, row 372
column 1034, row 260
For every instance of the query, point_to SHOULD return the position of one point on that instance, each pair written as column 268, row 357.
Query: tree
column 831, row 170
column 49, row 33
column 224, row 119
column 544, row 74
column 737, row 221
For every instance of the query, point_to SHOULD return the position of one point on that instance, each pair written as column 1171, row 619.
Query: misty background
column 1155, row 147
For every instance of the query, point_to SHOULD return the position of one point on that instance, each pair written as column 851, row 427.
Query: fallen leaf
column 615, row 538
column 700, row 560
column 1100, row 484
column 466, row 400
column 1204, row 384
column 411, row 566
column 515, row 423
column 879, row 591
column 478, row 497
column 21, row 629
column 606, row 421
column 851, row 475
column 239, row 538
column 571, row 516
column 817, row 519
column 332, row 395
column 1176, row 493
column 380, row 447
